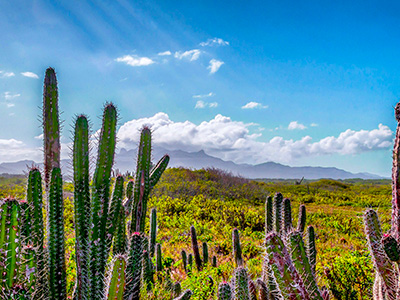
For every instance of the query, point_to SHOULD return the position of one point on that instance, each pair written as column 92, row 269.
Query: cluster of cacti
column 34, row 268
column 289, row 262
column 385, row 248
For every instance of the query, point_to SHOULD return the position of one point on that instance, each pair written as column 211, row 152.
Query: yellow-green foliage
column 216, row 202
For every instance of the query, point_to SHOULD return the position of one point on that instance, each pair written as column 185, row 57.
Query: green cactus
column 301, row 222
column 269, row 217
column 134, row 267
column 205, row 253
column 184, row 260
column 120, row 241
column 263, row 290
column 241, row 284
column 277, row 212
column 195, row 247
column 153, row 231
column 214, row 261
column 159, row 264
column 176, row 289
column 252, row 290
column 117, row 279
column 51, row 125
column 287, row 215
column 148, row 271
column 237, row 248
column 310, row 248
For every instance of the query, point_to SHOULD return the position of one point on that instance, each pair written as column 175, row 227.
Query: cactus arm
column 310, row 248
column 142, row 181
column 114, row 212
column 81, row 201
column 252, row 290
column 57, row 268
column 382, row 265
column 224, row 291
column 302, row 264
column 13, row 233
column 153, row 231
column 287, row 278
column 184, row 260
column 214, row 261
column 159, row 264
column 116, row 280
column 134, row 267
column 3, row 234
column 301, row 222
column 237, row 248
column 148, row 272
column 157, row 171
column 269, row 217
column 205, row 253
column 195, row 247
column 129, row 197
column 277, row 211
column 120, row 240
column 287, row 215
column 51, row 124
column 100, row 202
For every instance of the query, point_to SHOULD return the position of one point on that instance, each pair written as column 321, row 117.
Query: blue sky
column 296, row 82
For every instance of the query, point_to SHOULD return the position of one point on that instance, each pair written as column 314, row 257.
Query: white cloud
column 6, row 74
column 202, row 104
column 215, row 65
column 9, row 105
column 165, row 53
column 9, row 96
column 190, row 54
column 314, row 125
column 296, row 125
column 232, row 140
column 210, row 94
column 30, row 75
column 135, row 61
column 14, row 150
column 253, row 105
column 214, row 41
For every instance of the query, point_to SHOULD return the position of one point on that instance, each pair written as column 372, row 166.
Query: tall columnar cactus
column 287, row 224
column 57, row 268
column 277, row 212
column 269, row 226
column 134, row 267
column 184, row 260
column 263, row 290
column 148, row 271
column 205, row 253
column 100, row 202
column 153, row 231
column 301, row 222
column 237, row 248
column 116, row 281
column 51, row 124
column 252, row 290
column 224, row 291
column 195, row 247
column 159, row 264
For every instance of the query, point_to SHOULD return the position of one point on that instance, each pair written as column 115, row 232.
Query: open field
column 216, row 202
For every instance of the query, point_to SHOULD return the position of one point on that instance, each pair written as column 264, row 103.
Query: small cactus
column 195, row 248
column 237, row 248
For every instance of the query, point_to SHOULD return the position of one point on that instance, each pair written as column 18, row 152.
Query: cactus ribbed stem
column 287, row 278
column 302, row 264
column 241, row 284
column 277, row 212
column 153, row 231
column 301, row 222
column 159, row 264
column 120, row 240
column 129, row 197
column 310, row 248
column 195, row 247
column 184, row 259
column 214, row 261
column 157, row 171
column 237, row 248
column 114, row 212
column 190, row 262
column 224, row 291
column 117, row 280
column 269, row 217
column 391, row 248
column 263, row 290
column 12, row 242
column 100, row 202
column 287, row 215
column 148, row 272
column 396, row 179
column 134, row 268
column 205, row 253
column 252, row 290
column 51, row 125
column 29, row 268
column 81, row 202
column 57, row 268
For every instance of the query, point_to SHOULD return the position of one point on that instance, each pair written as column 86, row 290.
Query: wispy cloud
column 214, row 65
column 210, row 94
column 165, row 53
column 214, row 42
column 232, row 140
column 6, row 74
column 9, row 95
column 296, row 125
column 30, row 75
column 203, row 104
column 190, row 54
column 254, row 105
column 135, row 61
column 313, row 124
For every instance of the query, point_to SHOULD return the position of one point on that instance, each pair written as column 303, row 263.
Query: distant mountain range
column 126, row 161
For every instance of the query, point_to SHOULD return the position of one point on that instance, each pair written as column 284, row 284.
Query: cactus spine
column 134, row 267
column 117, row 279
column 241, row 284
column 224, row 291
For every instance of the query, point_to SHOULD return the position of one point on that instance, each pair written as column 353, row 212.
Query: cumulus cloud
column 190, row 54
column 15, row 150
column 165, row 53
column 9, row 95
column 214, row 65
column 6, row 74
column 296, row 125
column 253, row 105
column 232, row 140
column 30, row 75
column 135, row 61
column 214, row 42
column 202, row 104
column 210, row 94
